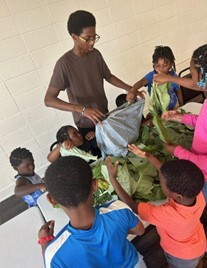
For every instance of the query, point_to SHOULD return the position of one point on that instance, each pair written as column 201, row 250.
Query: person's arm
column 153, row 160
column 55, row 153
column 52, row 100
column 112, row 170
column 46, row 233
column 182, row 81
column 138, row 229
column 180, row 97
column 172, row 116
column 198, row 159
column 133, row 92
column 115, row 81
column 24, row 187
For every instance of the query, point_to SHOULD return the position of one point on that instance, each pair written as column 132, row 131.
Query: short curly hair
column 79, row 20
column 69, row 180
column 183, row 177
column 18, row 155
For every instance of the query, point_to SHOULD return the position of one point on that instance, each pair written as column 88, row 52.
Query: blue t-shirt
column 172, row 90
column 104, row 245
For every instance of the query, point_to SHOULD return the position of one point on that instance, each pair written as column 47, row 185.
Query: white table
column 192, row 107
column 19, row 236
column 51, row 213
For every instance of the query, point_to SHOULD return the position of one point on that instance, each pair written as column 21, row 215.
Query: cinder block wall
column 33, row 35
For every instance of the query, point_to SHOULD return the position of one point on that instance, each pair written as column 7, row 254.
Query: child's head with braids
column 68, row 133
column 163, row 60
column 198, row 66
column 22, row 161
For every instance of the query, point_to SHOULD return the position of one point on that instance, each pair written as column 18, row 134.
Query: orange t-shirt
column 181, row 232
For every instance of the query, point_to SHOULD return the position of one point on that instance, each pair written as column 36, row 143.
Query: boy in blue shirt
column 93, row 237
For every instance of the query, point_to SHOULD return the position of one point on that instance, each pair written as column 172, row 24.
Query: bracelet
column 45, row 239
column 83, row 110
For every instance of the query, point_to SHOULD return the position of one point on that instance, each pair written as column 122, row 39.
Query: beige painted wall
column 33, row 36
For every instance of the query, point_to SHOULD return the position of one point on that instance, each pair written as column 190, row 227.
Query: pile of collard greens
column 136, row 175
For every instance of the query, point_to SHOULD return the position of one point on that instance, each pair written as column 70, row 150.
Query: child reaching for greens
column 178, row 223
column 93, row 237
column 163, row 62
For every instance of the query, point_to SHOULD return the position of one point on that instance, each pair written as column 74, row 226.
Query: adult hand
column 68, row 144
column 170, row 148
column 47, row 229
column 94, row 114
column 90, row 135
column 172, row 116
column 134, row 149
column 112, row 169
column 131, row 95
column 161, row 78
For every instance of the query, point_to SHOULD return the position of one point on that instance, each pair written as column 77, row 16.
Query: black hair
column 79, row 20
column 121, row 99
column 183, row 177
column 200, row 57
column 18, row 155
column 69, row 180
column 61, row 135
column 163, row 52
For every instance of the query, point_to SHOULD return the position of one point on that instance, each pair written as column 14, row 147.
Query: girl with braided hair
column 68, row 138
column 29, row 185
column 163, row 61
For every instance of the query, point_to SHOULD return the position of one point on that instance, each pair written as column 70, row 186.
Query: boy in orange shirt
column 178, row 223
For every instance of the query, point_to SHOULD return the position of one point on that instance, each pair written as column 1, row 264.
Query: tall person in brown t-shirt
column 81, row 71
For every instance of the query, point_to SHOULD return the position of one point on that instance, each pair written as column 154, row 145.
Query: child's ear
column 178, row 198
column 51, row 200
column 94, row 185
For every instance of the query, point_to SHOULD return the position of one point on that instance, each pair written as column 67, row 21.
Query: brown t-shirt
column 82, row 77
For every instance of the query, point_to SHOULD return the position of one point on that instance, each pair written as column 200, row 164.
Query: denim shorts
column 174, row 262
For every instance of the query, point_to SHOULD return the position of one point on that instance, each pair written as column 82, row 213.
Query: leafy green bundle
column 136, row 175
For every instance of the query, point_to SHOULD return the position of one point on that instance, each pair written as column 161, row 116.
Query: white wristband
column 83, row 110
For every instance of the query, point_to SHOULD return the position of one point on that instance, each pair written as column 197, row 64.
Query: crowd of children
column 98, row 237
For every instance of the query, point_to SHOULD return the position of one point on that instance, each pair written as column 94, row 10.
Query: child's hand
column 112, row 169
column 43, row 187
column 160, row 78
column 172, row 115
column 90, row 135
column 46, row 230
column 170, row 148
column 68, row 144
column 134, row 149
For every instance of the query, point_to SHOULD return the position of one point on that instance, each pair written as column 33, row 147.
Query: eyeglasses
column 94, row 39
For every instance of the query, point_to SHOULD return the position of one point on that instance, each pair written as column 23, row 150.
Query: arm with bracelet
column 45, row 234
